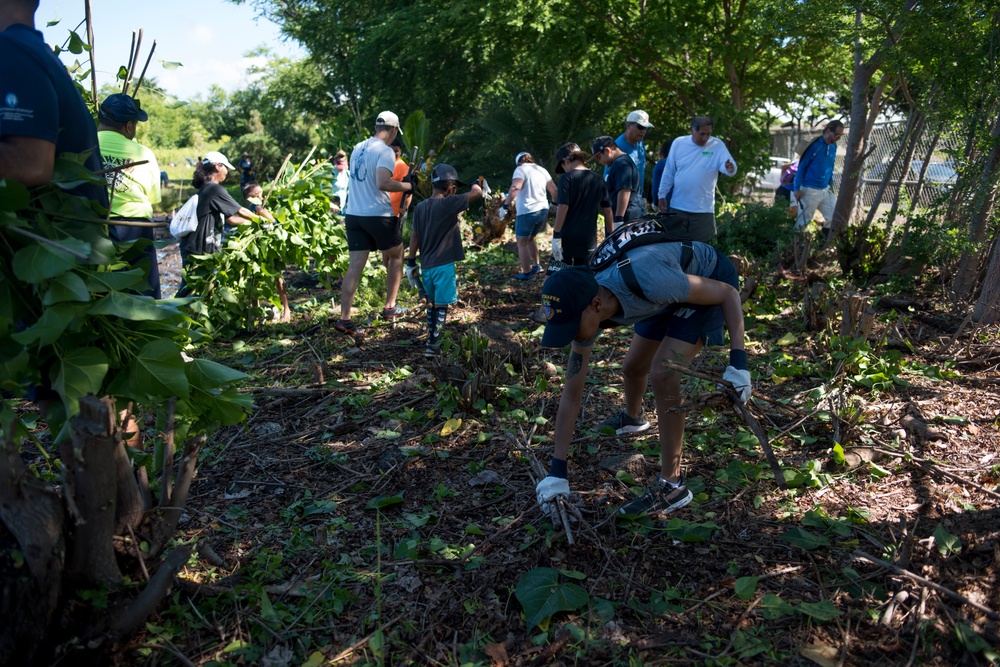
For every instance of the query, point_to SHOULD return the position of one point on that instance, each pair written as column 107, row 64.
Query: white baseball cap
column 517, row 160
column 215, row 157
column 387, row 118
column 640, row 117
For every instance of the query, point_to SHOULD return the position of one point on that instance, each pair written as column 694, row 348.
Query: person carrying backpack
column 680, row 297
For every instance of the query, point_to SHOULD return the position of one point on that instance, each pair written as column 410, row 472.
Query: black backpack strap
column 628, row 274
column 687, row 254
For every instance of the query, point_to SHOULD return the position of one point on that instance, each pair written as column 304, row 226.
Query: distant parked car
column 938, row 179
column 768, row 181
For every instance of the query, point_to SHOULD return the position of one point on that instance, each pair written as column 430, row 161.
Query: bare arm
column 475, row 192
column 623, row 196
column 551, row 188
column 264, row 213
column 707, row 292
column 609, row 221
column 414, row 245
column 515, row 187
column 242, row 217
column 561, row 212
column 384, row 182
column 27, row 160
column 571, row 398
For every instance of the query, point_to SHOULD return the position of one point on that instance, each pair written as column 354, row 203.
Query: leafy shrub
column 929, row 240
column 860, row 253
column 71, row 323
column 236, row 283
column 754, row 229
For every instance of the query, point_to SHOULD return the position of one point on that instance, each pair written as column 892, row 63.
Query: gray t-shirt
column 657, row 268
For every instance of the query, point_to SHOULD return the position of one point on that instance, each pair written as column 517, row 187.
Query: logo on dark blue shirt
column 11, row 100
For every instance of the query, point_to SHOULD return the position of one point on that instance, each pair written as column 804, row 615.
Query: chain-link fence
column 882, row 145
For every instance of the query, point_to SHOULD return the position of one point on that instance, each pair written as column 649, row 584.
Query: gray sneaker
column 662, row 496
column 622, row 423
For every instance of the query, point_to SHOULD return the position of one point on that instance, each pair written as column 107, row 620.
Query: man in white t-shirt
column 369, row 220
column 687, row 186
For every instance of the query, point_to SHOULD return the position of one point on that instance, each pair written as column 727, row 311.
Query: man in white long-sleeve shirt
column 687, row 186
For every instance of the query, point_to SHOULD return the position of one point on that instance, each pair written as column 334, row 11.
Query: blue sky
column 209, row 37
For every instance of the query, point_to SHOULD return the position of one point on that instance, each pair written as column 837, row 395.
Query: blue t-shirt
column 623, row 174
column 39, row 100
column 657, row 176
column 816, row 166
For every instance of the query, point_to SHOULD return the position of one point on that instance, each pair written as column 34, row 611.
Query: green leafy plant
column 246, row 271
column 542, row 595
column 71, row 324
column 754, row 229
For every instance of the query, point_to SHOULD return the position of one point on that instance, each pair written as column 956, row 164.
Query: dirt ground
column 382, row 530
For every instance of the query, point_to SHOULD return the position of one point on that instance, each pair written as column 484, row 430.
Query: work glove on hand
column 413, row 178
column 740, row 381
column 548, row 490
column 502, row 212
column 485, row 186
column 557, row 251
column 412, row 272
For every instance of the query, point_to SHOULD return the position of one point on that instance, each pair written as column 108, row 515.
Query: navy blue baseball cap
column 121, row 108
column 565, row 295
column 600, row 143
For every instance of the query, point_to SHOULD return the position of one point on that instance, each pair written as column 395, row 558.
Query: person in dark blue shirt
column 624, row 188
column 658, row 173
column 811, row 187
column 41, row 113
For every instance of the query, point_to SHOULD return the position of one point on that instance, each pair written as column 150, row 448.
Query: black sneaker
column 662, row 496
column 622, row 423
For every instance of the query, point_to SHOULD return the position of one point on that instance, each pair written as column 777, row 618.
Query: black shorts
column 366, row 232
column 692, row 323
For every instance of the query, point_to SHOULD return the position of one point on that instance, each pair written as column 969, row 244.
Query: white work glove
column 412, row 271
column 740, row 381
column 800, row 218
column 486, row 188
column 548, row 490
column 557, row 253
column 502, row 212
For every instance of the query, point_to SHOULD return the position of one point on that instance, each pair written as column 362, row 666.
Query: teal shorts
column 439, row 283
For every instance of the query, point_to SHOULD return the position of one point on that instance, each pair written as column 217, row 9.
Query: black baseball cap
column 565, row 295
column 564, row 152
column 121, row 108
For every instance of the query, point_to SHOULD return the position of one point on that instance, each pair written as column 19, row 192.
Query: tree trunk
column 91, row 481
column 968, row 267
column 909, row 145
column 32, row 555
column 890, row 171
column 858, row 128
column 44, row 556
column 987, row 310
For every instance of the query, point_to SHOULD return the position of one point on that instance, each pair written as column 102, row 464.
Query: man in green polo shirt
column 133, row 190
